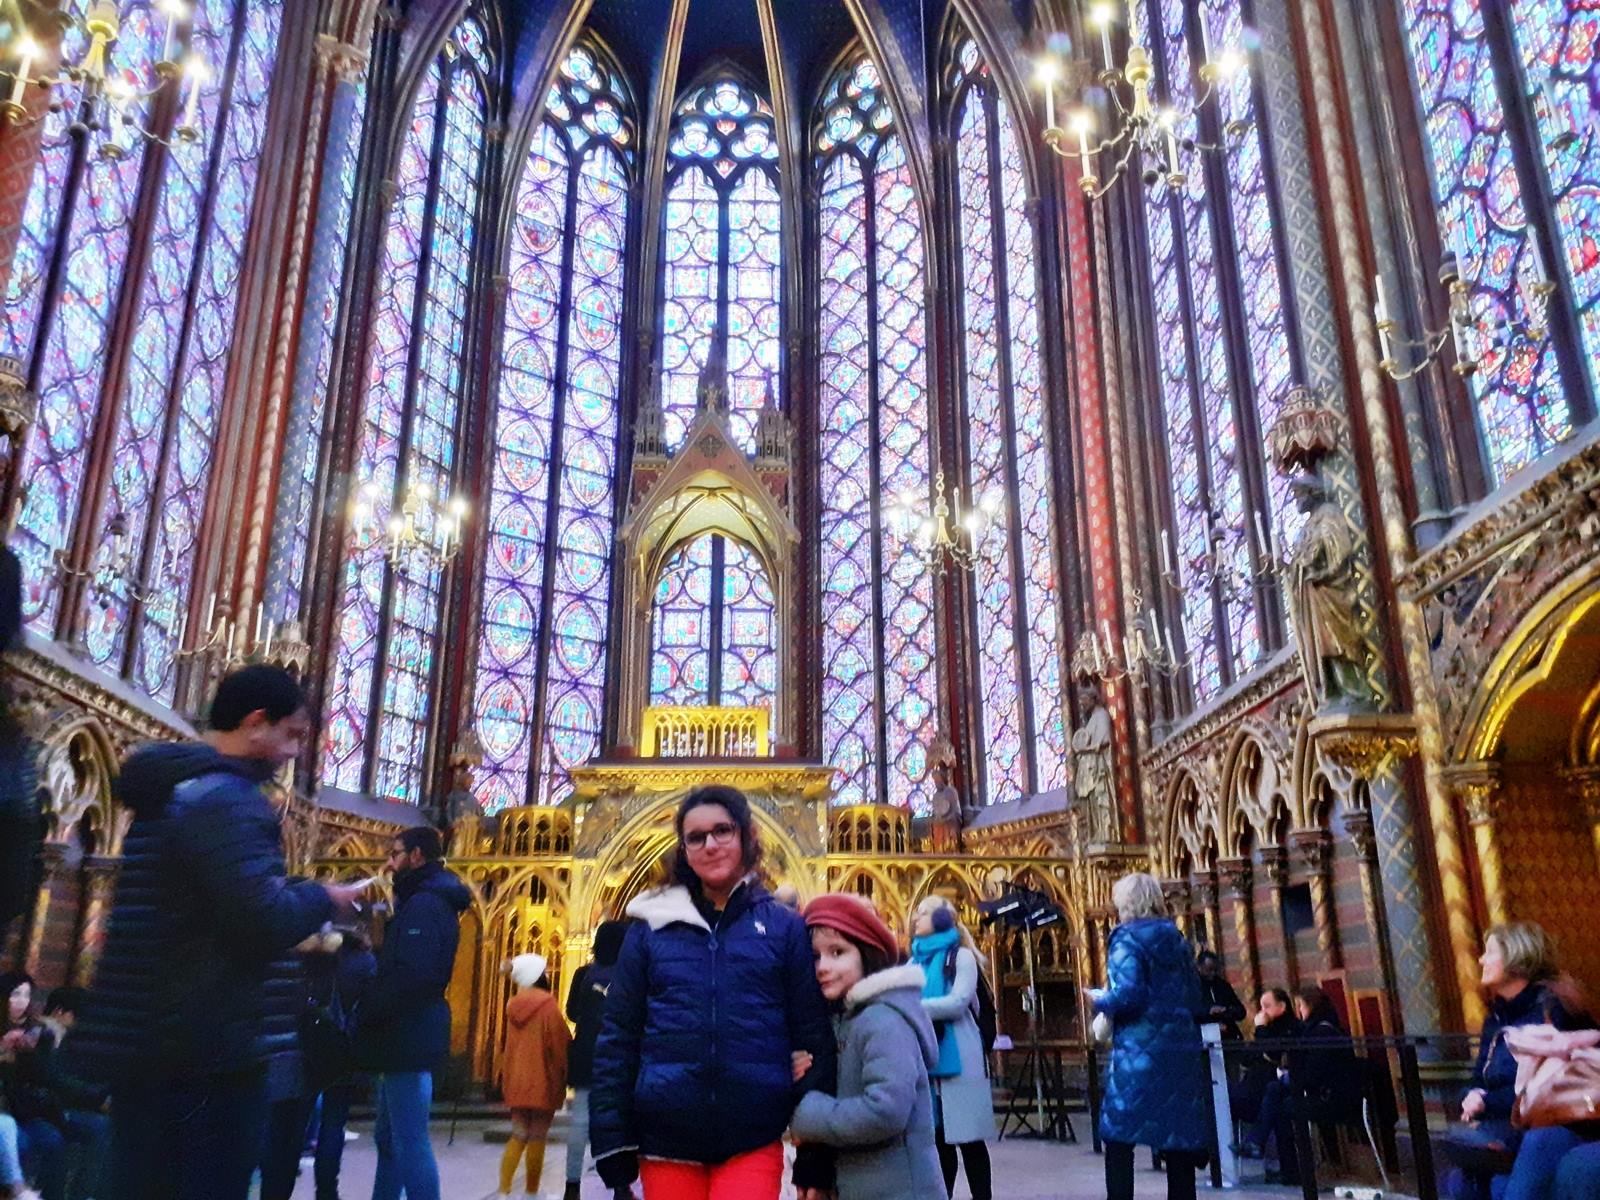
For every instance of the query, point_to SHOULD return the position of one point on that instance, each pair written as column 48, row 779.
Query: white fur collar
column 874, row 985
column 666, row 906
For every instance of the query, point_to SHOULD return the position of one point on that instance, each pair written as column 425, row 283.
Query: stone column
column 1315, row 850
column 1238, row 876
column 1478, row 787
column 1275, row 862
column 1370, row 749
column 1177, row 894
column 1205, row 890
column 99, row 884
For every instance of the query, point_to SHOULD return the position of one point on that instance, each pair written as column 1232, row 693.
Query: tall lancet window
column 551, row 520
column 1223, row 351
column 1509, row 91
column 714, row 628
column 1017, row 625
column 382, row 682
column 147, row 405
column 879, row 682
column 723, row 277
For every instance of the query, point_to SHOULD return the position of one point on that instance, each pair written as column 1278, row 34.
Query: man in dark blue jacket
column 404, row 1022
column 177, row 1023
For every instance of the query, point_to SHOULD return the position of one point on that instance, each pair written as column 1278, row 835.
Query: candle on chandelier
column 1170, row 120
column 27, row 51
column 176, row 12
column 1046, row 73
column 1167, row 561
column 1205, row 37
column 211, row 611
column 1103, row 14
column 195, row 69
column 1080, row 125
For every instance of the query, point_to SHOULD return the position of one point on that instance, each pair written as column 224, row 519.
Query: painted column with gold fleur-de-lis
column 1480, row 790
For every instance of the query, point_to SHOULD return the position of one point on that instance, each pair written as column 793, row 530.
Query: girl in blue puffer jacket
column 713, row 992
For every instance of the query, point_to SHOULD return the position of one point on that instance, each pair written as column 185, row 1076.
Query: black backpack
column 987, row 1026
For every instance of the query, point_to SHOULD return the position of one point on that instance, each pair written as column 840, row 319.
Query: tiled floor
column 1022, row 1171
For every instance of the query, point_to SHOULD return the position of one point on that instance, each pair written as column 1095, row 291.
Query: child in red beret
column 881, row 1120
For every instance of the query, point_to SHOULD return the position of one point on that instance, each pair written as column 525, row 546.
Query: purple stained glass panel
column 519, row 497
column 999, row 672
column 849, row 687
column 1518, row 386
column 430, row 455
column 749, row 663
column 680, row 659
column 1031, row 439
column 348, row 715
column 1558, row 41
column 689, row 316
column 910, row 674
column 73, row 357
column 754, row 284
column 586, row 497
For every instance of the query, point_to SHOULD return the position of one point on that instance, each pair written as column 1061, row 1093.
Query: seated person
column 1222, row 1004
column 83, row 1104
column 1518, row 970
column 1258, row 1068
column 1319, row 1083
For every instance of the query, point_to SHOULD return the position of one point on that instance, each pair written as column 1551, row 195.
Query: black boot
column 572, row 1192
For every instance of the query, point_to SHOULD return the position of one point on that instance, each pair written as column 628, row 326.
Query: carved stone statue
column 1322, row 589
column 712, row 393
column 1093, row 786
column 946, row 812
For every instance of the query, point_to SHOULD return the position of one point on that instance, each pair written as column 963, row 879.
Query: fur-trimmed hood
column 674, row 904
column 899, row 988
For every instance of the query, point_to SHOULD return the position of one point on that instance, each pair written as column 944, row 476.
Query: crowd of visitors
column 719, row 1033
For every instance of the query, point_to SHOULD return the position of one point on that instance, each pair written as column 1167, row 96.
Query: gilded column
column 1238, row 876
column 1584, row 783
column 1275, row 862
column 1395, row 815
column 1479, row 788
column 99, row 884
column 52, row 867
column 1315, row 850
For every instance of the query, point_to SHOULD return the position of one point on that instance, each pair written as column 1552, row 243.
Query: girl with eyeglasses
column 712, row 996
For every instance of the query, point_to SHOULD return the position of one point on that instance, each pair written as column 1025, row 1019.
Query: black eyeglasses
column 721, row 835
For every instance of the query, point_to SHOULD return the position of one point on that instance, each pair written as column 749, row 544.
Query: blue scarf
column 929, row 953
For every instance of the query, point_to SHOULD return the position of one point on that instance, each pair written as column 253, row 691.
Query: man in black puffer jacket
column 403, row 1024
column 178, row 1021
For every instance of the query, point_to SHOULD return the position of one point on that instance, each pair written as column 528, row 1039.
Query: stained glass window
column 381, row 680
column 167, row 406
column 1214, row 251
column 558, row 402
column 877, row 595
column 1484, row 196
column 714, row 627
column 1017, row 610
column 723, row 270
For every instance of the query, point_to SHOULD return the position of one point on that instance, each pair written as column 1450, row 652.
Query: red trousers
column 757, row 1175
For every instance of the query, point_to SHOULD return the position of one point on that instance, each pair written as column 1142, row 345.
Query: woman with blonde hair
column 963, row 1101
column 1155, row 1087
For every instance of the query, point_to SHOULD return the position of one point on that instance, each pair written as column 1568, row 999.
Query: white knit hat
column 528, row 969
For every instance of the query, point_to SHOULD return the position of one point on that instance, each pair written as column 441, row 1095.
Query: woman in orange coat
column 533, row 1078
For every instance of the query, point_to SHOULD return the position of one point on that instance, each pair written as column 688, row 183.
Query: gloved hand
column 813, row 1166
column 1095, row 995
column 620, row 1169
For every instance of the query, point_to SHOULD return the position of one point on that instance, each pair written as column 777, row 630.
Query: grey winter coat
column 966, row 1101
column 882, row 1119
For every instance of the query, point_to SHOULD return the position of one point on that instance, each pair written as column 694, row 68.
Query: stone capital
column 347, row 62
column 1478, row 787
column 1204, row 889
column 1358, row 825
column 1177, row 892
column 1238, row 876
column 1314, row 849
column 1275, row 864
column 1584, row 785
column 1364, row 744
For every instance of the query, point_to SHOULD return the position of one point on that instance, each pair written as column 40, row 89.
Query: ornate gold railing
column 704, row 732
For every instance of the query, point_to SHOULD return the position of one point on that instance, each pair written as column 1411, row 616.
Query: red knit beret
column 854, row 918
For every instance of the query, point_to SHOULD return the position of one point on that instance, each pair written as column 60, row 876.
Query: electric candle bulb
column 27, row 51
column 195, row 69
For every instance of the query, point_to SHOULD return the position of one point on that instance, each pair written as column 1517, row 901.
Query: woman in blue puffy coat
column 1155, row 1088
column 713, row 993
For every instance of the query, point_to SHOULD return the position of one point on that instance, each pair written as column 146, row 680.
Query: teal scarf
column 929, row 953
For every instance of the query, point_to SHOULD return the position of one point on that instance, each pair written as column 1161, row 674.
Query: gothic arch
column 1252, row 788
column 1186, row 823
column 77, row 762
